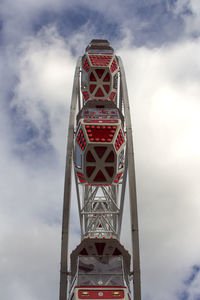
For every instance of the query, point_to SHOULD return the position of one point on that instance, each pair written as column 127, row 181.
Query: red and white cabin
column 100, row 270
column 99, row 73
column 99, row 145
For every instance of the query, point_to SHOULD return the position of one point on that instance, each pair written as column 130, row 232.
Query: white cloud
column 31, row 191
column 29, row 266
column 164, row 93
column 45, row 84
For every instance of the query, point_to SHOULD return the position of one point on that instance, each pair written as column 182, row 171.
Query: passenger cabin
column 99, row 76
column 100, row 276
column 99, row 144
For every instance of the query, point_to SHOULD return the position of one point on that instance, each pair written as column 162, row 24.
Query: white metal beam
column 132, row 188
column 67, row 187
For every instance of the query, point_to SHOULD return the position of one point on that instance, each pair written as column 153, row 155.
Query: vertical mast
column 101, row 145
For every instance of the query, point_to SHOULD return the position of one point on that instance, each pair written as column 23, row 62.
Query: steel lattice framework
column 101, row 206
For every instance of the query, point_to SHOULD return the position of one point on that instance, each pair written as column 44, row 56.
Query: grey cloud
column 165, row 113
column 32, row 189
column 190, row 288
column 151, row 24
column 164, row 93
column 190, row 11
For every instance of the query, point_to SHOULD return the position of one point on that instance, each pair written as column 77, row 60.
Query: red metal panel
column 86, row 65
column 85, row 95
column 106, row 88
column 112, row 96
column 81, row 139
column 100, row 294
column 117, row 178
column 119, row 140
column 107, row 77
column 100, row 121
column 100, row 150
column 81, row 177
column 90, row 170
column 99, row 93
column 100, row 60
column 90, row 157
column 99, row 177
column 100, row 133
column 99, row 72
column 113, row 66
column 110, row 157
column 110, row 171
column 92, row 77
column 92, row 87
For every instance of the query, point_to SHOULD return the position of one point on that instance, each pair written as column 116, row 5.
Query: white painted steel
column 67, row 187
column 101, row 207
column 132, row 188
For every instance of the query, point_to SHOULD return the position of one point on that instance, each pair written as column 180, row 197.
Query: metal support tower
column 101, row 206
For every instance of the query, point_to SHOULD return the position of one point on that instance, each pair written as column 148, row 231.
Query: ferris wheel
column 100, row 149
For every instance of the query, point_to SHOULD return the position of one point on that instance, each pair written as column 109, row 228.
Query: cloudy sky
column 159, row 42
